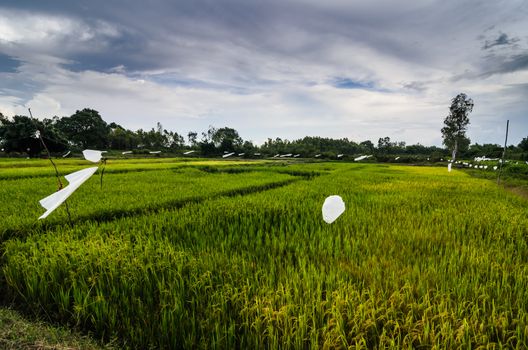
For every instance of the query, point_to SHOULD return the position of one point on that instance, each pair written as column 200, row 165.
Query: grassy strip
column 17, row 332
column 512, row 180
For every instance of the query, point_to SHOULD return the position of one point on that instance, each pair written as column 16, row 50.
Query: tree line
column 86, row 129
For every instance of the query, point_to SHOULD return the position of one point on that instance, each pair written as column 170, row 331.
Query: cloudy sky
column 275, row 68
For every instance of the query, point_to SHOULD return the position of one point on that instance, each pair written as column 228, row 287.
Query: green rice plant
column 122, row 194
column 421, row 258
column 42, row 168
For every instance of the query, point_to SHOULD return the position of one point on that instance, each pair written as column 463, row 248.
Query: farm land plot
column 238, row 256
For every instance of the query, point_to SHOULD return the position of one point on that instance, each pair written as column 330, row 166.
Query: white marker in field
column 92, row 155
column 449, row 167
column 76, row 179
column 361, row 158
column 333, row 207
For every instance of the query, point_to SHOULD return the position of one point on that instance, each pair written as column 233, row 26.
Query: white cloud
column 23, row 34
column 288, row 111
column 268, row 70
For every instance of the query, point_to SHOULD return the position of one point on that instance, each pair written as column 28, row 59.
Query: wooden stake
column 503, row 152
column 54, row 166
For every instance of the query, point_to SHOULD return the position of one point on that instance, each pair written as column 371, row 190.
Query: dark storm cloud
column 238, row 39
column 156, row 27
column 188, row 34
column 496, row 64
column 503, row 54
column 119, row 51
column 500, row 41
column 509, row 64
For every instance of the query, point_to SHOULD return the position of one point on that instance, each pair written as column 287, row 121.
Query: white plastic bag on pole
column 92, row 155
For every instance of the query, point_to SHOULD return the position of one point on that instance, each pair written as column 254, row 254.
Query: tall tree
column 85, row 129
column 367, row 146
column 523, row 148
column 523, row 145
column 207, row 146
column 121, row 138
column 454, row 131
column 227, row 139
column 192, row 136
column 384, row 144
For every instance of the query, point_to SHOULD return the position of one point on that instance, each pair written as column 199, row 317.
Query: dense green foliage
column 420, row 258
column 20, row 135
column 86, row 129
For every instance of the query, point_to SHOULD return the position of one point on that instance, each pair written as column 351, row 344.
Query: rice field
column 236, row 255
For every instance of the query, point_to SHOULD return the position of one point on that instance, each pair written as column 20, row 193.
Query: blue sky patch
column 8, row 64
column 347, row 83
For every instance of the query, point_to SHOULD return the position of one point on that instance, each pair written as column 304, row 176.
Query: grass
column 17, row 332
column 421, row 258
column 514, row 177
